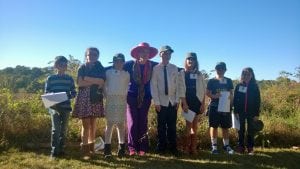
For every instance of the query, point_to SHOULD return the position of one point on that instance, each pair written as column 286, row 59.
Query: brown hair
column 196, row 67
column 91, row 49
column 250, row 70
column 60, row 59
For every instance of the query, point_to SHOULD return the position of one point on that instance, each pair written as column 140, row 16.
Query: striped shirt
column 61, row 83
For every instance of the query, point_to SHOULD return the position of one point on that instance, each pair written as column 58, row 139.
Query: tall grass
column 281, row 114
column 24, row 120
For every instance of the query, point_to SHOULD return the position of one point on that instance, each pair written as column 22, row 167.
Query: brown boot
column 187, row 144
column 193, row 144
column 85, row 148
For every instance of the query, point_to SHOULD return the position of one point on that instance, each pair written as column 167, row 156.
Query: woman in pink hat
column 139, row 97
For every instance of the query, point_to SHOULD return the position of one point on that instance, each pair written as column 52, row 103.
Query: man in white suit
column 164, row 91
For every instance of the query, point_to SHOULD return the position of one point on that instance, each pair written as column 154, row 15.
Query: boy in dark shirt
column 219, row 118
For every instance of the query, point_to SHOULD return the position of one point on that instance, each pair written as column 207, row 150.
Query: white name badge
column 223, row 81
column 242, row 89
column 193, row 76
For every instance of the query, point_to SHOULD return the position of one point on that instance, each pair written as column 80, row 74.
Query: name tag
column 193, row 76
column 223, row 81
column 242, row 89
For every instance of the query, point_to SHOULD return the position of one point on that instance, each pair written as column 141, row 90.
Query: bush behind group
column 24, row 122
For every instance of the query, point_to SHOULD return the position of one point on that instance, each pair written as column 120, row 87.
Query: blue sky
column 262, row 34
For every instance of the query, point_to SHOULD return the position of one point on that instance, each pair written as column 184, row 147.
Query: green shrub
column 282, row 100
column 24, row 120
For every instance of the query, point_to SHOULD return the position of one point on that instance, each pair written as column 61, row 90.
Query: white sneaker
column 251, row 153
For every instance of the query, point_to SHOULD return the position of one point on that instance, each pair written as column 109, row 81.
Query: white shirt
column 116, row 82
column 158, row 85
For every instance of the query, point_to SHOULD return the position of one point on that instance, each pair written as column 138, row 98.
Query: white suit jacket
column 158, row 85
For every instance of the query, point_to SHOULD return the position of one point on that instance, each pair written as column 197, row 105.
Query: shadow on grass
column 267, row 158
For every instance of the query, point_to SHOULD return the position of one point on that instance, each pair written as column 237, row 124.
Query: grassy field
column 39, row 159
column 24, row 122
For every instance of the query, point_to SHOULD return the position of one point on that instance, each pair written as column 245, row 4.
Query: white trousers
column 120, row 129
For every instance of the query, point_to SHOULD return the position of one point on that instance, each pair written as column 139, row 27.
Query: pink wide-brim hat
column 135, row 51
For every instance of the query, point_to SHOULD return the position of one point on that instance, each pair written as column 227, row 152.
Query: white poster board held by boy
column 224, row 102
column 50, row 99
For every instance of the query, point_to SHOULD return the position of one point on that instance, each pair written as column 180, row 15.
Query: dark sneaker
column 250, row 151
column 62, row 153
column 240, row 150
column 121, row 150
column 161, row 151
column 214, row 151
column 107, row 151
column 53, row 157
column 228, row 149
column 175, row 153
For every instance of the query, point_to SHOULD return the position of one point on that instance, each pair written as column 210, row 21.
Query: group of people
column 130, row 87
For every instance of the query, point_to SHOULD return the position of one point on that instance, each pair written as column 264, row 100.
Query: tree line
column 32, row 80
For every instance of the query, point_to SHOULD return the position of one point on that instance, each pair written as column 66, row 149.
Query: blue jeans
column 59, row 121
